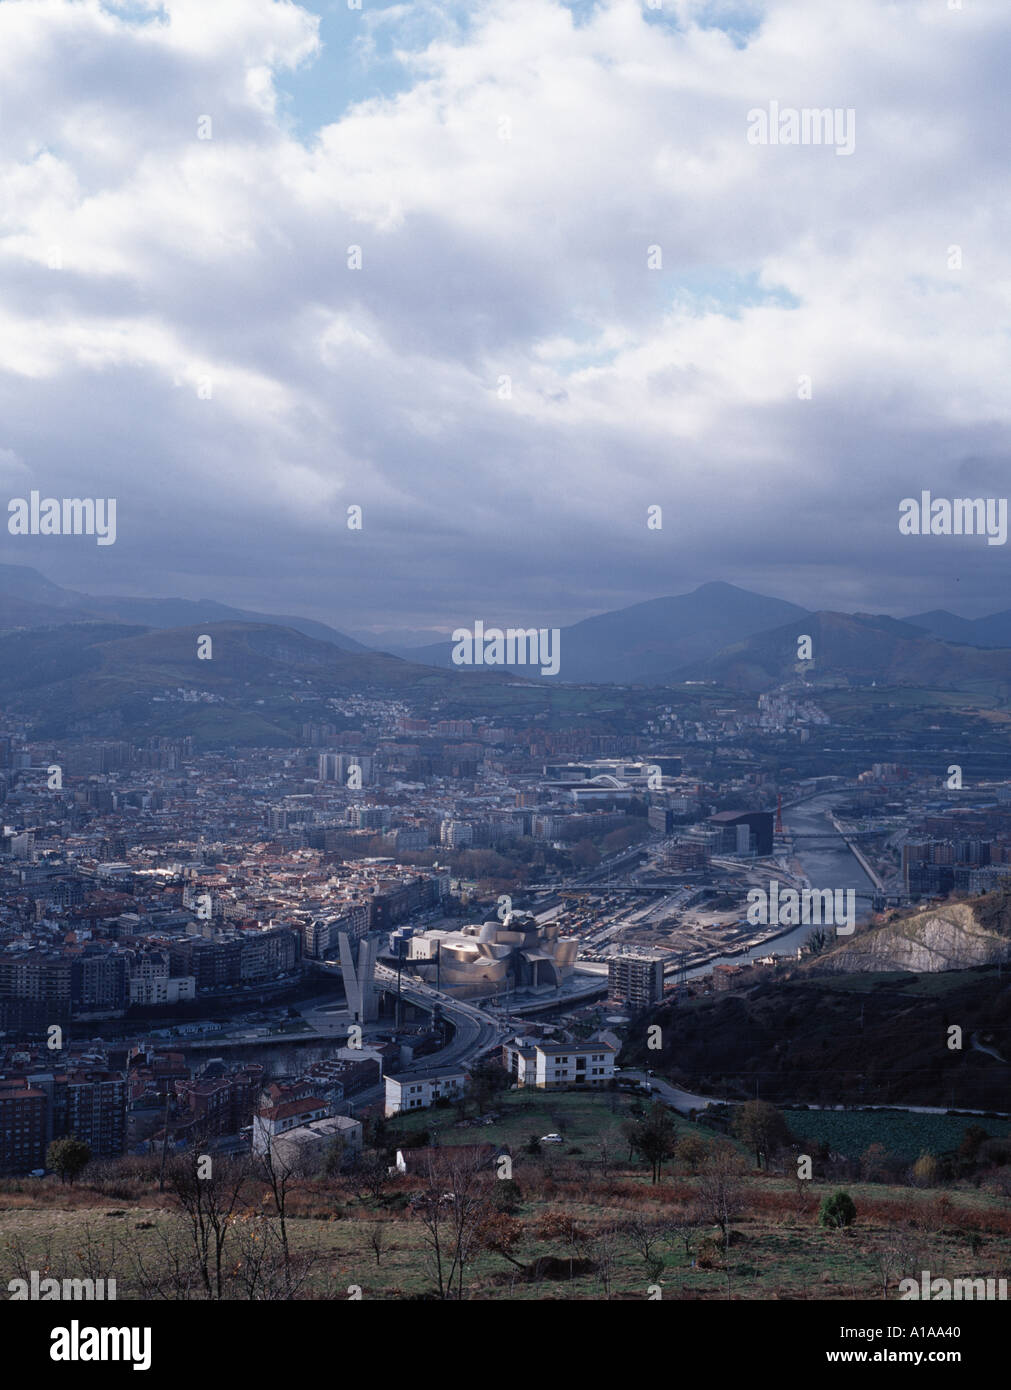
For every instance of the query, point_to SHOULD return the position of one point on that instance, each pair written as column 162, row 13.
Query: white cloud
column 486, row 256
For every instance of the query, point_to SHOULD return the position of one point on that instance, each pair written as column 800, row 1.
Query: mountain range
column 747, row 641
column 993, row 631
column 28, row 599
column 718, row 633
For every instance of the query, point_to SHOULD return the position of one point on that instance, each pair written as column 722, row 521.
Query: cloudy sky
column 583, row 292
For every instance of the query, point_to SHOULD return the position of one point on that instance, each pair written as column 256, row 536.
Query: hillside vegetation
column 829, row 1039
column 582, row 1220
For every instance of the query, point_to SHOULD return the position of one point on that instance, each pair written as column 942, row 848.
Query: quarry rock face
column 946, row 937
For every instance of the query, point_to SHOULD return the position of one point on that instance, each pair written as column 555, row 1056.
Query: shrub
column 710, row 1254
column 925, row 1170
column 506, row 1195
column 837, row 1211
column 68, row 1157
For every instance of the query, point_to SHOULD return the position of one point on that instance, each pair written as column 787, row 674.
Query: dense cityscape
column 275, row 954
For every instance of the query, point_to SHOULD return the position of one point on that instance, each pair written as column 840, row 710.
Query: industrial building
column 743, row 832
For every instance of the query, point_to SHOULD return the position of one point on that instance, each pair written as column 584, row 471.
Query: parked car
column 552, row 1139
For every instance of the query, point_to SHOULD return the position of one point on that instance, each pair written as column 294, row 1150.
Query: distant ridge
column 647, row 642
column 858, row 649
column 103, row 679
column 717, row 632
column 992, row 631
column 28, row 599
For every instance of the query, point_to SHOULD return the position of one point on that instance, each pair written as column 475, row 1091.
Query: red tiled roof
column 292, row 1107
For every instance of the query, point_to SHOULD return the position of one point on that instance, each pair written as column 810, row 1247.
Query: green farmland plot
column 904, row 1134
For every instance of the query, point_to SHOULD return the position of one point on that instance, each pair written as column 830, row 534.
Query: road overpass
column 475, row 1032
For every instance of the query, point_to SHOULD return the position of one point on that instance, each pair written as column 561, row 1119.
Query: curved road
column 685, row 1100
column 475, row 1033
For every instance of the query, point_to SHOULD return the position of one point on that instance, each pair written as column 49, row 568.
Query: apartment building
column 418, row 1092
column 635, row 980
column 151, row 983
column 558, row 1064
column 269, row 1122
column 91, row 1105
column 222, row 1105
column 22, row 1126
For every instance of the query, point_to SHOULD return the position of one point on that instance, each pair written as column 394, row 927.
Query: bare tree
column 899, row 1255
column 683, row 1227
column 377, row 1241
column 721, row 1192
column 470, row 1211
column 454, row 1209
column 169, row 1273
column 370, row 1176
column 210, row 1201
column 267, row 1271
column 95, row 1254
column 560, row 1226
column 604, row 1248
column 284, row 1168
column 721, row 1186
column 22, row 1262
column 645, row 1236
column 888, row 1264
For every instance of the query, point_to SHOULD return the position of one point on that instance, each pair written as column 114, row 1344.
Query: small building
column 273, row 1120
column 725, row 976
column 559, row 1064
column 305, row 1145
column 417, row 1092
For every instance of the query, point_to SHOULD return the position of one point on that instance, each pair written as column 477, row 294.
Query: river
column 828, row 863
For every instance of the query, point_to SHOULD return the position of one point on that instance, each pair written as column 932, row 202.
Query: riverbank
column 860, row 857
column 813, row 860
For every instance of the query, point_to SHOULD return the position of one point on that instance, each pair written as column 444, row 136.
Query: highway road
column 475, row 1034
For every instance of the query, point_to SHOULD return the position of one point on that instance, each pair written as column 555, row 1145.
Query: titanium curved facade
column 517, row 953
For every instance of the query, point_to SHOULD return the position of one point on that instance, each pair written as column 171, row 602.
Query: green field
column 583, row 1121
column 903, row 1134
